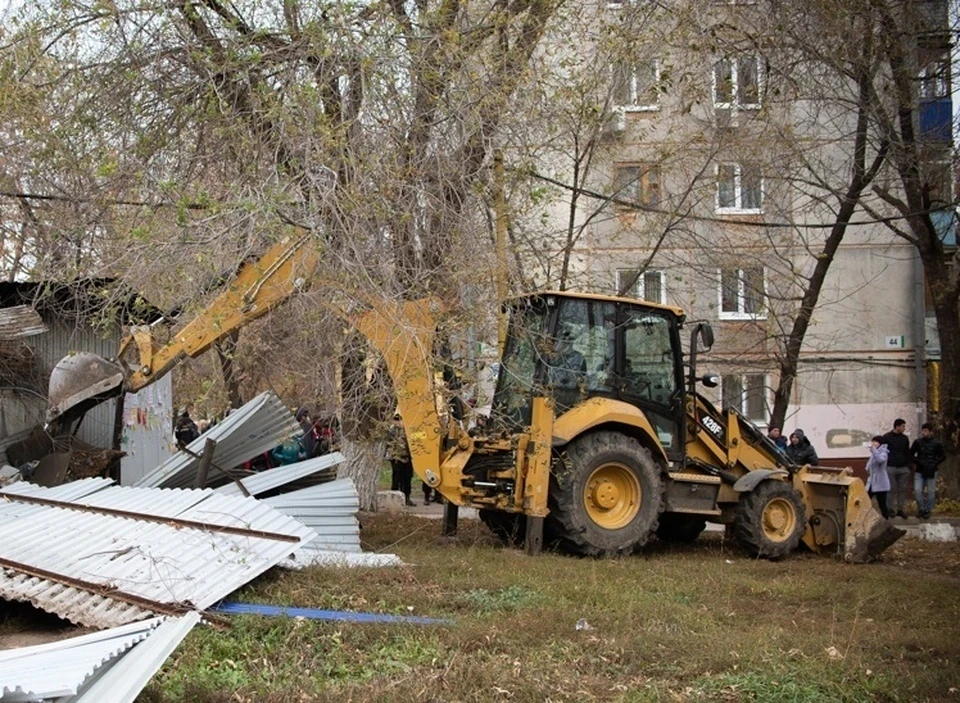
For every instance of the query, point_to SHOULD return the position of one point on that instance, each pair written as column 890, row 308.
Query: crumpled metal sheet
column 20, row 321
column 257, row 427
column 45, row 553
column 62, row 668
column 275, row 478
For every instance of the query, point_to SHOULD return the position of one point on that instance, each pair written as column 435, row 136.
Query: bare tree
column 369, row 124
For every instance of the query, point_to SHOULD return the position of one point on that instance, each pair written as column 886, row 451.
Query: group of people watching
column 316, row 438
column 888, row 469
column 798, row 449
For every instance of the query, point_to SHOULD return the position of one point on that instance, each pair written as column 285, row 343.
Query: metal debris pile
column 146, row 563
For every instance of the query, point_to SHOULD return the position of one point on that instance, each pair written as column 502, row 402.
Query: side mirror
column 706, row 334
column 710, row 380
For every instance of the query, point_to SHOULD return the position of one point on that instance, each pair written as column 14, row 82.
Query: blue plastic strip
column 231, row 608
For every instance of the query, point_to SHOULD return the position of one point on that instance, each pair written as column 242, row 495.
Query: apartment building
column 723, row 158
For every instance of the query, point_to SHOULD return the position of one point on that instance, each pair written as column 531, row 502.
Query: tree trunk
column 363, row 462
column 944, row 292
column 225, row 353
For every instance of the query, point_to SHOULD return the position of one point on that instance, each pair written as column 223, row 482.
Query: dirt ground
column 928, row 557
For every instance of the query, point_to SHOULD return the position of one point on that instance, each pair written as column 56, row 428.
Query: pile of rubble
column 144, row 564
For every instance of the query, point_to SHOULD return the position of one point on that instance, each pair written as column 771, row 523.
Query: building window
column 736, row 83
column 639, row 183
column 746, row 394
column 648, row 285
column 742, row 294
column 739, row 188
column 636, row 86
column 934, row 78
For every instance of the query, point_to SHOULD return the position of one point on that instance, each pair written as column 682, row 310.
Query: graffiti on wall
column 845, row 431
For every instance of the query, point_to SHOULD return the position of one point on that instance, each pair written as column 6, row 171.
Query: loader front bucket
column 80, row 381
column 840, row 515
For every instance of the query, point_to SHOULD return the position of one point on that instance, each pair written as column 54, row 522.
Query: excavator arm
column 401, row 331
column 258, row 288
column 82, row 380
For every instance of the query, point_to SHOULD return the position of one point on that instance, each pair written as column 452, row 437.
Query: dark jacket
column 185, row 430
column 309, row 439
column 927, row 453
column 899, row 446
column 397, row 448
column 802, row 452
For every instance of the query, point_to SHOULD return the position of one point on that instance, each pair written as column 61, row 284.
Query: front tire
column 605, row 496
column 770, row 520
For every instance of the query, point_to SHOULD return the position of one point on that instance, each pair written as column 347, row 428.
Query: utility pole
column 500, row 205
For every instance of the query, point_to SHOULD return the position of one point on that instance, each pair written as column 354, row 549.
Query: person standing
column 898, row 466
column 185, row 430
column 800, row 451
column 878, row 483
column 927, row 454
column 308, row 437
column 776, row 436
column 398, row 451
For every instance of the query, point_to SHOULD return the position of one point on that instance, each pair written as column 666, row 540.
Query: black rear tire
column 571, row 526
column 770, row 520
column 680, row 528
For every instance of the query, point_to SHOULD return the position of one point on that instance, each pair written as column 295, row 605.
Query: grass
column 698, row 623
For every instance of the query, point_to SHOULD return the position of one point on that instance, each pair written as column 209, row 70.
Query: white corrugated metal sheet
column 312, row 557
column 258, row 426
column 163, row 562
column 329, row 509
column 274, row 478
column 20, row 321
column 62, row 668
column 13, row 510
column 125, row 678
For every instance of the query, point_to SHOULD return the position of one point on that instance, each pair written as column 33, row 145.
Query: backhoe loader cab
column 572, row 348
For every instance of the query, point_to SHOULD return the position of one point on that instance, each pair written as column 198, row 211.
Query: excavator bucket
column 841, row 517
column 79, row 381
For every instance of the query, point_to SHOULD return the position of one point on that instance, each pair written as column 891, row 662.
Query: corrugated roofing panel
column 257, row 427
column 123, row 681
column 161, row 561
column 274, row 478
column 13, row 510
column 329, row 509
column 20, row 321
column 62, row 668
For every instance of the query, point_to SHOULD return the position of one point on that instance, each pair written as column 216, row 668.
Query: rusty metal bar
column 226, row 472
column 208, row 448
column 100, row 589
column 178, row 522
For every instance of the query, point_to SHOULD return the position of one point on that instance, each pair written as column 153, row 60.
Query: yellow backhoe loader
column 597, row 439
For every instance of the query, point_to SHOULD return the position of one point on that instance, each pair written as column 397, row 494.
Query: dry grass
column 700, row 623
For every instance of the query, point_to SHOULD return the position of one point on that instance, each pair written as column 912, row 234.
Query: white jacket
column 877, row 478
